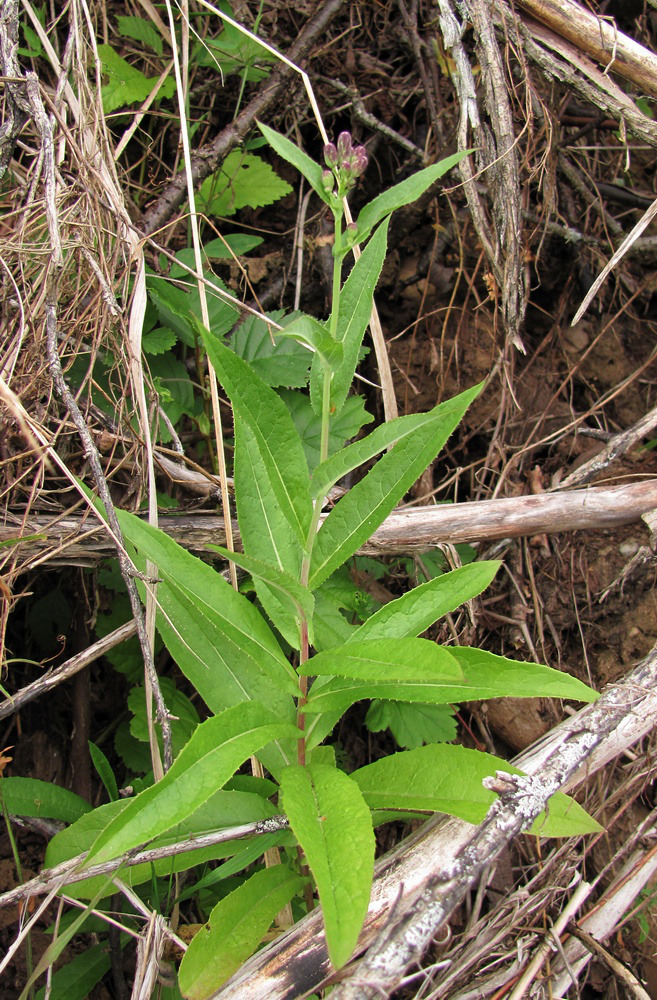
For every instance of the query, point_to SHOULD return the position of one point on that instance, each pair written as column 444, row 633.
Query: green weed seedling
column 278, row 673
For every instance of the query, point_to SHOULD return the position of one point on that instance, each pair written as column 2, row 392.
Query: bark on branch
column 75, row 539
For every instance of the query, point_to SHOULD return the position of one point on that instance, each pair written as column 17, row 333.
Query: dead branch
column 74, row 538
column 565, row 63
column 600, row 38
column 68, row 669
column 432, row 869
column 69, row 872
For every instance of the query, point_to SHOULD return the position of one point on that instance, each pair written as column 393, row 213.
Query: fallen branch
column 76, row 538
column 600, row 38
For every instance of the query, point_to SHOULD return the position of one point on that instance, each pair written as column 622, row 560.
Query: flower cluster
column 346, row 163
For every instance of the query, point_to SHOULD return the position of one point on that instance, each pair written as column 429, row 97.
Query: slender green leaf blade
column 404, row 193
column 32, row 797
column 485, row 675
column 217, row 748
column 355, row 310
column 448, row 779
column 417, row 609
column 218, row 638
column 356, row 454
column 76, row 979
column 234, row 930
column 105, row 772
column 308, row 168
column 300, row 599
column 492, row 676
column 386, row 660
column 331, row 821
column 265, row 529
column 280, row 449
column 357, row 515
column 223, row 809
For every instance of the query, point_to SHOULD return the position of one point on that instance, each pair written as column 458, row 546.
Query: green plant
column 238, row 658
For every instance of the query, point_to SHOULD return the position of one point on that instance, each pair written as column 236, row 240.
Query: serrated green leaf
column 309, row 331
column 485, row 675
column 174, row 385
column 404, row 193
column 280, row 449
column 354, row 311
column 412, row 725
column 288, row 151
column 243, row 180
column 493, row 676
column 265, row 529
column 278, row 362
column 218, row 638
column 331, row 821
column 31, row 797
column 127, row 84
column 417, row 609
column 140, row 30
column 185, row 717
column 345, row 425
column 396, row 660
column 357, row 515
column 234, row 930
column 354, row 455
column 158, row 341
column 223, row 809
column 217, row 748
column 448, row 779
column 300, row 600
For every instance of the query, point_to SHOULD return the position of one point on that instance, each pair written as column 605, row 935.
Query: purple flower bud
column 359, row 160
column 345, row 168
column 330, row 155
column 351, row 228
column 344, row 145
column 328, row 180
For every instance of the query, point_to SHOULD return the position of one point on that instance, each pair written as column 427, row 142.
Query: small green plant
column 277, row 675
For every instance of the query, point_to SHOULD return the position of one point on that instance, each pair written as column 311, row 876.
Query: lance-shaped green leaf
column 217, row 637
column 298, row 598
column 331, row 821
column 354, row 311
column 493, row 676
column 280, row 450
column 354, row 455
column 485, row 675
column 308, row 168
column 264, row 529
column 448, row 779
column 314, row 335
column 360, row 512
column 417, row 609
column 217, row 748
column 234, row 930
column 403, row 193
column 223, row 809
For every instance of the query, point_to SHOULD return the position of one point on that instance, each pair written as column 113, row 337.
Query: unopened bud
column 359, row 160
column 344, row 145
column 328, row 181
column 330, row 155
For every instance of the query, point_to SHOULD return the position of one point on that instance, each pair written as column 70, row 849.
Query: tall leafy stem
column 236, row 654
